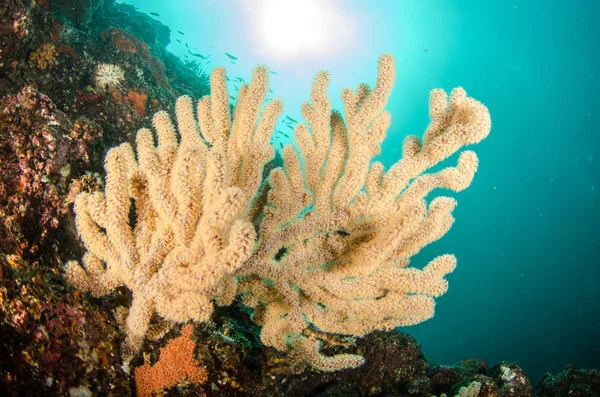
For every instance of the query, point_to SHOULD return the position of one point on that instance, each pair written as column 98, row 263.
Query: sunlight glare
column 299, row 27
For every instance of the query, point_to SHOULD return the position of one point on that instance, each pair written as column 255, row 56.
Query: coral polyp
column 108, row 76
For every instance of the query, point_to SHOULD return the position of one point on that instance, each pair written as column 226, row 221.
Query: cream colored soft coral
column 338, row 231
column 319, row 249
column 191, row 192
column 108, row 76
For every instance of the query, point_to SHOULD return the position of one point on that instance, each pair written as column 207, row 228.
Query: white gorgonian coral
column 108, row 76
column 320, row 249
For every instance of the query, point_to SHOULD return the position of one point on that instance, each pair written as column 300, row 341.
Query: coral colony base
column 320, row 250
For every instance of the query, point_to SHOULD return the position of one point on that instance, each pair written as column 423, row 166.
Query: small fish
column 291, row 119
column 185, row 55
column 426, row 49
column 241, row 80
column 289, row 126
column 281, row 145
column 153, row 13
column 285, row 135
column 177, row 40
column 272, row 72
column 195, row 54
column 227, row 78
column 232, row 97
column 180, row 32
column 231, row 56
column 207, row 62
column 270, row 91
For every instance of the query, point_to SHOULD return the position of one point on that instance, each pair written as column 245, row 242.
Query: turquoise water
column 527, row 285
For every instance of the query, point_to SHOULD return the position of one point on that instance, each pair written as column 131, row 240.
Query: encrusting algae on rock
column 176, row 364
column 318, row 251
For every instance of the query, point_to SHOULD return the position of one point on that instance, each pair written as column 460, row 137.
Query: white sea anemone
column 108, row 76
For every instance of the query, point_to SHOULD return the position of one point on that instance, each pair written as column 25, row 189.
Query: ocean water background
column 527, row 232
